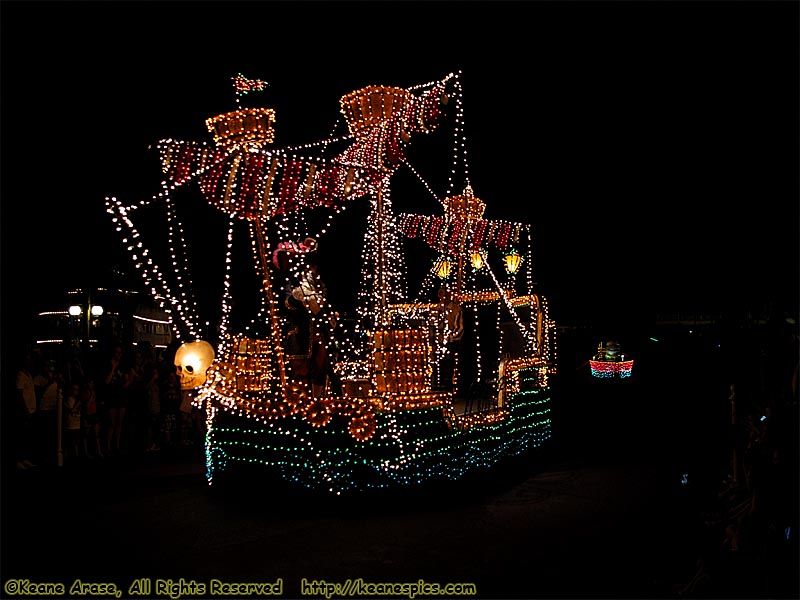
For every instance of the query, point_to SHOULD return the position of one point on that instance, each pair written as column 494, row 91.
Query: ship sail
column 241, row 177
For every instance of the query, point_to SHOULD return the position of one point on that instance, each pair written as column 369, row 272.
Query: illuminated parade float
column 444, row 367
column 610, row 363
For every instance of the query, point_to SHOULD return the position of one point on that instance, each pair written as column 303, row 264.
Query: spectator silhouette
column 72, row 422
column 24, row 413
column 90, row 420
column 153, row 390
column 170, row 396
column 136, row 420
column 49, row 382
column 115, row 399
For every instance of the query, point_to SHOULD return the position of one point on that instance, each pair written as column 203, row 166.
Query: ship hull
column 409, row 447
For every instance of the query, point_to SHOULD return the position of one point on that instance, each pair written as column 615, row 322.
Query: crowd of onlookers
column 73, row 405
column 747, row 542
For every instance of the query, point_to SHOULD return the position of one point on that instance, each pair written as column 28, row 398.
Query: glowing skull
column 192, row 360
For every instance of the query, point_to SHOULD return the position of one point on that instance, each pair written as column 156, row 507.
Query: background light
column 75, row 310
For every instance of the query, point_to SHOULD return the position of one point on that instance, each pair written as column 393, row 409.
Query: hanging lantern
column 442, row 267
column 478, row 259
column 513, row 261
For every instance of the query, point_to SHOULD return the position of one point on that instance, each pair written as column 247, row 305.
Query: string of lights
column 388, row 424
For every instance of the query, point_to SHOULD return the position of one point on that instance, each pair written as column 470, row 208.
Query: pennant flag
column 244, row 85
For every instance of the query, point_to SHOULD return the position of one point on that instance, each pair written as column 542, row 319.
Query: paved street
column 572, row 528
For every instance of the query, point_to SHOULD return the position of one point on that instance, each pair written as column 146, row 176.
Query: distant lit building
column 101, row 316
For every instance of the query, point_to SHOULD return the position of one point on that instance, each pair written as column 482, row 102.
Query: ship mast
column 368, row 112
column 381, row 315
column 250, row 129
column 468, row 208
column 275, row 329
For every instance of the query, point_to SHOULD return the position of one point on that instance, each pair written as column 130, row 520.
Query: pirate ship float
column 387, row 421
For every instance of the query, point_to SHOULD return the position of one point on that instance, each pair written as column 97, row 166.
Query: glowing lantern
column 442, row 267
column 192, row 360
column 478, row 259
column 513, row 261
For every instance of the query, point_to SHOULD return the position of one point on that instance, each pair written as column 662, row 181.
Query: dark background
column 652, row 146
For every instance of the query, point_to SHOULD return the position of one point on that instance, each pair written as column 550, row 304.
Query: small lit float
column 609, row 362
column 381, row 417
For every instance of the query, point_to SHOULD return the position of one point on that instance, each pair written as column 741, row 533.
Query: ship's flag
column 243, row 85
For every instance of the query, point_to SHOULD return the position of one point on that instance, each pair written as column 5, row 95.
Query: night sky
column 653, row 147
